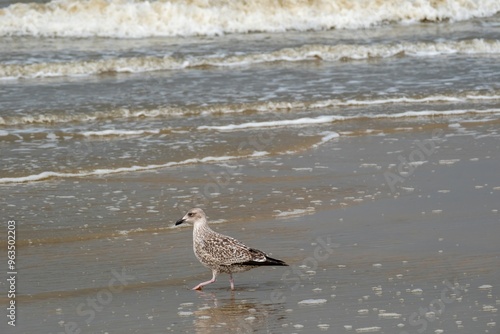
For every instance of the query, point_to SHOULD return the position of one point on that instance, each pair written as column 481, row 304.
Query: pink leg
column 231, row 281
column 201, row 285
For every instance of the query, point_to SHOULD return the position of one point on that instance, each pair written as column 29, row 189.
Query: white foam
column 389, row 315
column 327, row 136
column 137, row 19
column 485, row 287
column 325, row 119
column 91, row 66
column 314, row 52
column 417, row 163
column 312, row 301
column 428, row 99
column 257, row 154
column 294, row 212
column 185, row 313
column 489, row 308
column 368, row 329
column 300, row 169
column 116, row 132
column 448, row 161
column 101, row 172
column 134, row 230
column 279, row 123
column 259, row 106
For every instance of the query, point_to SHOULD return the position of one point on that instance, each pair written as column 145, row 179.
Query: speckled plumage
column 221, row 253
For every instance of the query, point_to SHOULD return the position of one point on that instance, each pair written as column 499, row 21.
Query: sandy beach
column 363, row 258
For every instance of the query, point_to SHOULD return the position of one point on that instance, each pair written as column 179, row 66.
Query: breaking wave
column 270, row 106
column 138, row 19
column 327, row 53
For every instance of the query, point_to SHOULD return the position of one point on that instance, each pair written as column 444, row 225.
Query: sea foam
column 327, row 53
column 137, row 19
column 325, row 119
column 107, row 171
column 265, row 106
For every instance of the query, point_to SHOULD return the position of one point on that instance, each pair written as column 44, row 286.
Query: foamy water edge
column 327, row 53
column 138, row 19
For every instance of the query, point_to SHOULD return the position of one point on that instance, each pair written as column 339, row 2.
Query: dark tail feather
column 269, row 262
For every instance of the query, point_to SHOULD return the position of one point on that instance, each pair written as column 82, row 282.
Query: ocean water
column 118, row 115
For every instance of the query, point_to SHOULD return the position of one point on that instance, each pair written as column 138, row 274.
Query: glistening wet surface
column 362, row 258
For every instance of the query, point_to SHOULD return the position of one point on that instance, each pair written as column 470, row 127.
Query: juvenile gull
column 220, row 253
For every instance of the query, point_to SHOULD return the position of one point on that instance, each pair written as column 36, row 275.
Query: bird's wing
column 227, row 251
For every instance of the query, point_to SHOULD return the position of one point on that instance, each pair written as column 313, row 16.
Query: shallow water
column 362, row 257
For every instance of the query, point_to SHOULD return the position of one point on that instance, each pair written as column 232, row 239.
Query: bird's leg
column 201, row 285
column 231, row 281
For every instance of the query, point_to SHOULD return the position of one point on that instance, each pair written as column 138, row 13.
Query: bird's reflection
column 234, row 314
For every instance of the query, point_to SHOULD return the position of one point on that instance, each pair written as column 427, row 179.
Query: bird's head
column 192, row 216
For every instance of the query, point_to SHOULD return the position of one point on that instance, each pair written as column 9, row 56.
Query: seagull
column 221, row 253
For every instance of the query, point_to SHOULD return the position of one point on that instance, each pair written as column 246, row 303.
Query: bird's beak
column 180, row 221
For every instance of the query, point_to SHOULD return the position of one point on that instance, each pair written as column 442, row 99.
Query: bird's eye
column 190, row 214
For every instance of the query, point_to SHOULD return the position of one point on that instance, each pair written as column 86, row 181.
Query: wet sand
column 374, row 244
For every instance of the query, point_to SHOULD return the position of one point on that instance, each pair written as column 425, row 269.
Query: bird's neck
column 201, row 226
